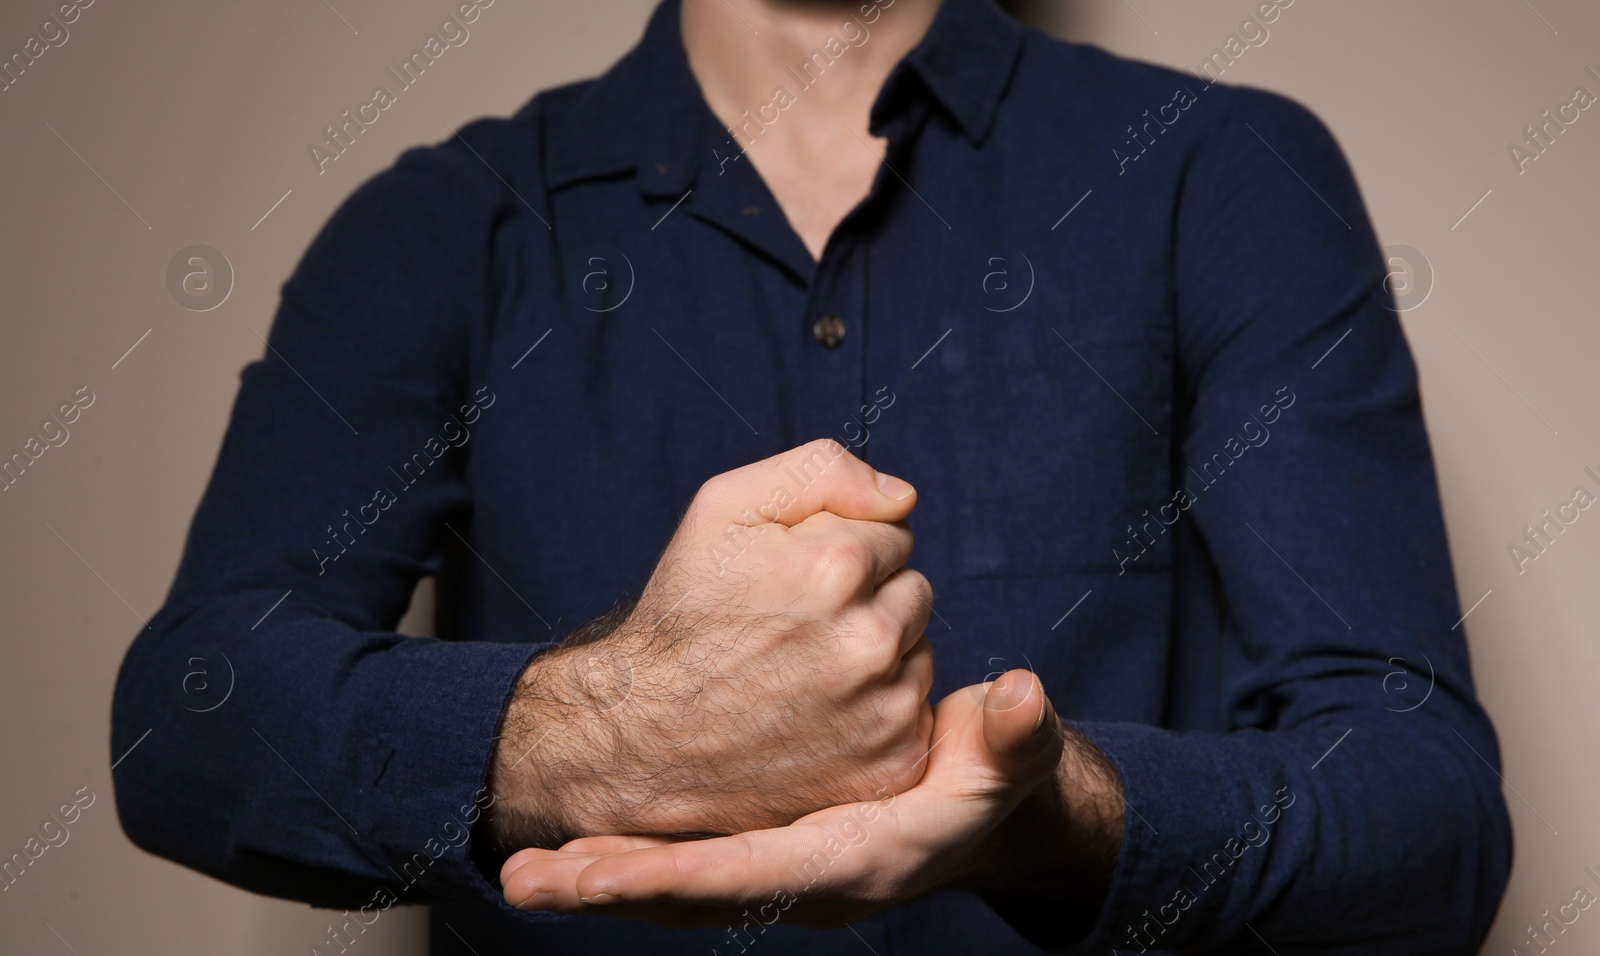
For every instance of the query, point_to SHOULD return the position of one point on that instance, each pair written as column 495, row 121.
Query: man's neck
column 794, row 83
column 741, row 51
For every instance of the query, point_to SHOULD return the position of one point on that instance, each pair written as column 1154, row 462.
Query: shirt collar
column 647, row 113
column 644, row 114
column 965, row 61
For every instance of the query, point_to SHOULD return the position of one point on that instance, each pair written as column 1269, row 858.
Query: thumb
column 818, row 476
column 1020, row 729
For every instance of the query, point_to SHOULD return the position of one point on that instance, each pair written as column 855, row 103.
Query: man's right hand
column 774, row 664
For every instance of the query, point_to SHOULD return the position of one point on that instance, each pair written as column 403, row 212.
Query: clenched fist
column 774, row 664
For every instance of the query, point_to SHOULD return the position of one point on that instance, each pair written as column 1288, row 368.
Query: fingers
column 729, row 871
column 916, row 668
column 1018, row 730
column 908, row 598
column 816, row 477
column 551, row 884
column 548, row 880
column 544, row 879
column 879, row 546
column 614, row 844
column 516, row 860
column 536, row 878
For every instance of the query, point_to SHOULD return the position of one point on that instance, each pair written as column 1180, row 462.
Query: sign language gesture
column 774, row 665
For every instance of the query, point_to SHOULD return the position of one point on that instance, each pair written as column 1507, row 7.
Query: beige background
column 157, row 126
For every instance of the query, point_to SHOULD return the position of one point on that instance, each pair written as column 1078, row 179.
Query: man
column 1124, row 331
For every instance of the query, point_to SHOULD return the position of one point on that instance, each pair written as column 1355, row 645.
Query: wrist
column 529, row 810
column 1062, row 841
column 558, row 736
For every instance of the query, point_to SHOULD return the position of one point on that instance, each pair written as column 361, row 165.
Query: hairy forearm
column 555, row 720
column 527, row 811
column 1060, row 846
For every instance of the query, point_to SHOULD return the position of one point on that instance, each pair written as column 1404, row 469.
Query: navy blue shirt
column 1127, row 332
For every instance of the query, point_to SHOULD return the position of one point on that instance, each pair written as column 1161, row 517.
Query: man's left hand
column 995, row 745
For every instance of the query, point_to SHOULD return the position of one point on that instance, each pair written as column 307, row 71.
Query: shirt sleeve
column 272, row 729
column 1349, row 800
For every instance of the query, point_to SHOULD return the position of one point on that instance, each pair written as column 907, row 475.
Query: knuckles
column 867, row 640
column 903, row 726
column 828, row 450
column 883, row 632
column 921, row 587
column 837, row 569
column 712, row 489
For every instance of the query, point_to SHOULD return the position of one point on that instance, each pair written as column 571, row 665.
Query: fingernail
column 539, row 900
column 599, row 899
column 1001, row 690
column 897, row 488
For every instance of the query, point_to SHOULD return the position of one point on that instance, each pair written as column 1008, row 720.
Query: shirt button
column 829, row 330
